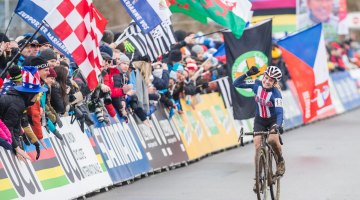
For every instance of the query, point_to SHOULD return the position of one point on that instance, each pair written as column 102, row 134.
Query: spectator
column 59, row 91
column 51, row 116
column 34, row 111
column 50, row 57
column 14, row 103
column 44, row 43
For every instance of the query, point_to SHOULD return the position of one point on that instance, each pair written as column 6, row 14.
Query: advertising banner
column 292, row 111
column 217, row 122
column 66, row 169
column 169, row 136
column 157, row 151
column 121, row 150
column 346, row 89
column 191, row 134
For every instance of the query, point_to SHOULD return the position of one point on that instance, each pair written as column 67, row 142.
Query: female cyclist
column 269, row 111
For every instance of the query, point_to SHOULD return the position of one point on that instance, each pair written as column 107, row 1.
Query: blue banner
column 121, row 150
column 142, row 13
column 33, row 13
column 347, row 90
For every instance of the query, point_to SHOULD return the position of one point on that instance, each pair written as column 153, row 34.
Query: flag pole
column 218, row 31
column 7, row 28
column 18, row 53
column 11, row 18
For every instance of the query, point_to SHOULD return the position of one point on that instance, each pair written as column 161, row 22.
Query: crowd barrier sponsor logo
column 162, row 145
column 66, row 168
column 355, row 74
column 346, row 89
column 215, row 133
column 292, row 111
column 121, row 150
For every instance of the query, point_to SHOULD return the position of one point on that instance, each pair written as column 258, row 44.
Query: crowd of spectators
column 129, row 84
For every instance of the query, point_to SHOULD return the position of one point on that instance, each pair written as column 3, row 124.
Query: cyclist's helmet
column 274, row 72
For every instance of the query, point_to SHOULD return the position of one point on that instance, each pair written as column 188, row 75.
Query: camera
column 107, row 98
column 99, row 114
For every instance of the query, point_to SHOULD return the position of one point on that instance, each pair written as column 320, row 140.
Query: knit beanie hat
column 39, row 63
column 175, row 56
column 106, row 49
column 48, row 54
column 15, row 73
column 124, row 58
column 197, row 49
column 52, row 73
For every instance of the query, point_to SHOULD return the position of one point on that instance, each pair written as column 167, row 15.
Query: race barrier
column 113, row 153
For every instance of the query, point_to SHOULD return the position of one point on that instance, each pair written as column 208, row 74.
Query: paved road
column 322, row 161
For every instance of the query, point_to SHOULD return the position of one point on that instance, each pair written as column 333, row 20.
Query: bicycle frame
column 265, row 155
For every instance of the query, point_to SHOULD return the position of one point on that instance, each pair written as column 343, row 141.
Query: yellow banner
column 206, row 126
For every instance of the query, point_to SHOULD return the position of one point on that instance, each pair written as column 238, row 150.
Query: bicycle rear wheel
column 274, row 180
column 261, row 179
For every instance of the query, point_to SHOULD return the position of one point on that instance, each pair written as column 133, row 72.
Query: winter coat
column 34, row 118
column 115, row 80
column 5, row 133
column 12, row 106
column 163, row 82
column 57, row 98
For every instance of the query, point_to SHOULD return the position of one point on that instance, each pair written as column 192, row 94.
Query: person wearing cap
column 14, row 103
column 35, row 48
column 50, row 57
column 26, row 52
column 113, row 81
column 44, row 43
column 15, row 78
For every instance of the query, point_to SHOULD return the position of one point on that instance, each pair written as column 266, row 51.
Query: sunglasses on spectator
column 35, row 45
column 48, row 45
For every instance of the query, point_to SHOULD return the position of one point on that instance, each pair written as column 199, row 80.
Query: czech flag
column 305, row 56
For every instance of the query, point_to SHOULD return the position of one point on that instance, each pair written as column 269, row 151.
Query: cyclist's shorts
column 263, row 124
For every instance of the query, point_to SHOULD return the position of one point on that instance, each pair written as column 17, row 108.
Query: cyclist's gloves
column 252, row 71
column 274, row 128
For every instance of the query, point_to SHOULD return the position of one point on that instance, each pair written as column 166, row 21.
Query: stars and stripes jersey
column 269, row 101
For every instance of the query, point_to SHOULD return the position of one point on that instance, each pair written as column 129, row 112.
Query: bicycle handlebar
column 241, row 140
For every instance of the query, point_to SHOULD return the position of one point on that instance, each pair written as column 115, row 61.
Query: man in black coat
column 14, row 103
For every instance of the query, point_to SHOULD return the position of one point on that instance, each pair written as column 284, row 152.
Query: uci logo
column 243, row 63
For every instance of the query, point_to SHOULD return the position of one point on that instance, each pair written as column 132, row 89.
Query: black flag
column 252, row 49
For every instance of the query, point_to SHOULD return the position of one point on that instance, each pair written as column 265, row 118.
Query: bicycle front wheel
column 274, row 180
column 261, row 179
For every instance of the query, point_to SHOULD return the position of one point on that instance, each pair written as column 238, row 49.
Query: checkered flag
column 80, row 27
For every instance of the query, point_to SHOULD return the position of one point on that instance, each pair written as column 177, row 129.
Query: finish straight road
column 322, row 163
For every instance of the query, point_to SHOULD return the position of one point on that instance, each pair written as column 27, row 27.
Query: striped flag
column 154, row 44
column 80, row 27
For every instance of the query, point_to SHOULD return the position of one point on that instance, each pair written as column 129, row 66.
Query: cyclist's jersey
column 269, row 101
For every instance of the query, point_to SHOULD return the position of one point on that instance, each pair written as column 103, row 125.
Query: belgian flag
column 252, row 49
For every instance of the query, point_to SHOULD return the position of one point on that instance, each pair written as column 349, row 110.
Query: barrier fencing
column 118, row 152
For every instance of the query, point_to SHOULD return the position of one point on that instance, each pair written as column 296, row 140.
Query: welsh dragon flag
column 232, row 14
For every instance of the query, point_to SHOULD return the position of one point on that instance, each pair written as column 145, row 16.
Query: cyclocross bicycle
column 267, row 183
